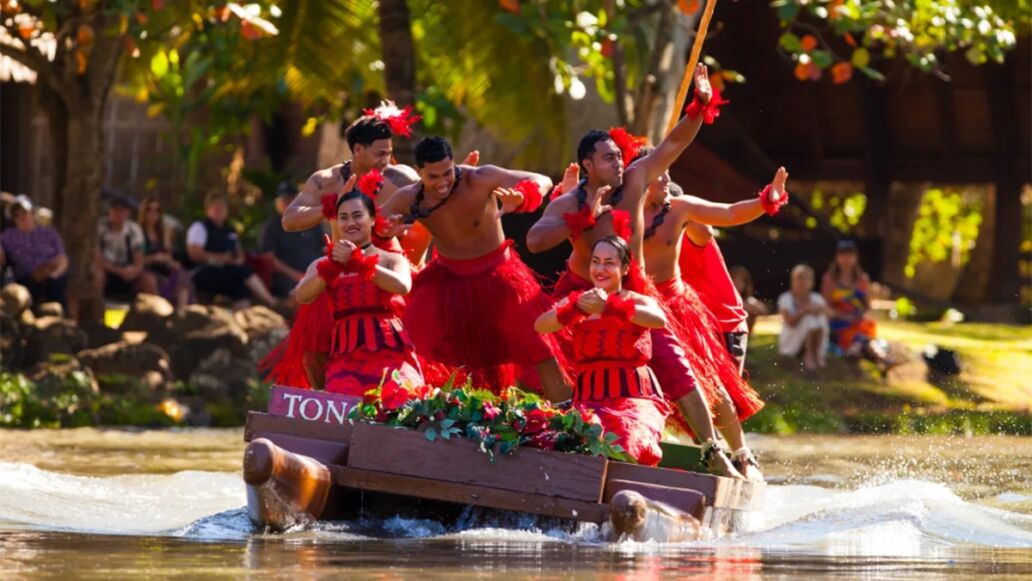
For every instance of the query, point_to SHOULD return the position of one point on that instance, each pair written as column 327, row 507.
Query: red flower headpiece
column 400, row 120
column 628, row 144
column 370, row 183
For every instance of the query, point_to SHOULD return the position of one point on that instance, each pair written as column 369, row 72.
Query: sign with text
column 310, row 405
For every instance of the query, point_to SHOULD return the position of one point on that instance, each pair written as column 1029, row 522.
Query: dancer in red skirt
column 612, row 348
column 300, row 360
column 474, row 304
column 666, row 218
column 365, row 286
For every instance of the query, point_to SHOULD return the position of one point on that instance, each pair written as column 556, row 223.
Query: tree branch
column 33, row 59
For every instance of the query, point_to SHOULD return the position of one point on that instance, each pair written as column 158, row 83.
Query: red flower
column 393, row 395
column 490, row 411
column 400, row 120
column 370, row 183
column 537, row 420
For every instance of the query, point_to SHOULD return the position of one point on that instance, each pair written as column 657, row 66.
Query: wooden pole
column 689, row 69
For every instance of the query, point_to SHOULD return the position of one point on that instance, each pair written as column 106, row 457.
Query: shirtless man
column 474, row 305
column 667, row 218
column 300, row 360
column 619, row 196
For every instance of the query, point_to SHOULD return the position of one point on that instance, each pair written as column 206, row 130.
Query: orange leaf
column 688, row 7
column 84, row 35
column 841, row 73
column 607, row 48
column 141, row 18
column 850, row 40
column 510, row 5
column 80, row 61
column 10, row 7
column 26, row 30
column 802, row 72
column 809, row 42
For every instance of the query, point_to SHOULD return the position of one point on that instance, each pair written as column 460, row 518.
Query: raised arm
column 714, row 214
column 493, row 177
column 306, row 210
column 666, row 153
column 551, row 230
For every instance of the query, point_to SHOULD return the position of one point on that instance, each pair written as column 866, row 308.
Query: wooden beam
column 428, row 488
column 409, row 453
column 878, row 156
column 1004, row 286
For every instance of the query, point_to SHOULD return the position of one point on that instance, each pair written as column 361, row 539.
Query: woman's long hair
column 141, row 217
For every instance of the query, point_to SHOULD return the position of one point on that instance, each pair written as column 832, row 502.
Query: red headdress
column 628, row 144
column 400, row 120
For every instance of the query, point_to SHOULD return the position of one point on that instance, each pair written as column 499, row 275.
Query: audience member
column 804, row 318
column 744, row 285
column 171, row 280
column 290, row 253
column 118, row 261
column 35, row 253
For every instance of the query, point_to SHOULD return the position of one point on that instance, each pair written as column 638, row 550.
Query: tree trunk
column 57, row 124
column 399, row 59
column 654, row 99
column 80, row 203
column 1003, row 282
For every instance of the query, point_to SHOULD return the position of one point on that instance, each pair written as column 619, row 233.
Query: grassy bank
column 992, row 395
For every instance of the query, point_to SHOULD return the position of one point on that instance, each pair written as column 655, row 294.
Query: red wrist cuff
column 620, row 307
column 329, row 206
column 709, row 111
column 362, row 265
column 569, row 314
column 531, row 195
column 329, row 270
column 771, row 207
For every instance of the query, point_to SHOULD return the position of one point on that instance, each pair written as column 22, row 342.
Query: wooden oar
column 689, row 69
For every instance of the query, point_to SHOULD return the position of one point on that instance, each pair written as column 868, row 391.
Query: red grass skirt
column 479, row 314
column 312, row 330
column 703, row 342
column 359, row 371
column 638, row 423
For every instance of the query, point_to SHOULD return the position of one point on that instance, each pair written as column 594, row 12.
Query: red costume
column 615, row 382
column 479, row 313
column 714, row 368
column 703, row 268
column 368, row 338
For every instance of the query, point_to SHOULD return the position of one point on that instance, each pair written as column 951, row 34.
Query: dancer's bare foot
column 744, row 461
column 717, row 463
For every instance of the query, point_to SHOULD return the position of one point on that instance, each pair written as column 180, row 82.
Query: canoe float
column 306, row 461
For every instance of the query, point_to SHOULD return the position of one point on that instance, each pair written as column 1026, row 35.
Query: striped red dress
column 368, row 338
column 615, row 381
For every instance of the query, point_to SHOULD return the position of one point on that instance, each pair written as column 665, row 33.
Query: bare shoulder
column 400, row 175
column 326, row 179
column 564, row 203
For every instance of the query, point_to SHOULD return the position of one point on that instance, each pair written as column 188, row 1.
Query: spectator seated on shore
column 172, row 281
column 846, row 288
column 214, row 246
column 290, row 253
column 804, row 320
column 35, row 253
column 744, row 285
column 118, row 262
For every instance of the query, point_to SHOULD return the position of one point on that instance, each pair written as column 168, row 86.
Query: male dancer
column 475, row 303
column 666, row 219
column 617, row 201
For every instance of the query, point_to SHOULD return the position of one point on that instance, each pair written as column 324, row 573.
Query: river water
column 143, row 504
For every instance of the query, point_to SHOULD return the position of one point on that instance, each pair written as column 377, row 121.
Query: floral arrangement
column 499, row 423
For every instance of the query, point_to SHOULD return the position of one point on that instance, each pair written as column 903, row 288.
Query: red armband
column 579, row 221
column 531, row 195
column 556, row 192
column 569, row 313
column 771, row 207
column 362, row 265
column 622, row 224
column 709, row 111
column 329, row 206
column 620, row 307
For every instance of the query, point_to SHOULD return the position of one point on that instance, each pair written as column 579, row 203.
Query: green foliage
column 917, row 30
column 843, row 211
column 499, row 423
column 57, row 400
column 947, row 222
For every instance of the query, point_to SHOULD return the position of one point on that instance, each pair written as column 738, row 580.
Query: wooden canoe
column 304, row 461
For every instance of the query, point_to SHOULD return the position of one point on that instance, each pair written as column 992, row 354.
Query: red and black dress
column 614, row 381
column 368, row 338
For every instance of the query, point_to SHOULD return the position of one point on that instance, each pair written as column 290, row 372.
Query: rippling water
column 112, row 503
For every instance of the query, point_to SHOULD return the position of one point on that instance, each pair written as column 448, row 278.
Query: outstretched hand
column 396, row 227
column 473, row 158
column 571, row 176
column 510, row 199
column 595, row 202
column 777, row 185
column 703, row 90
